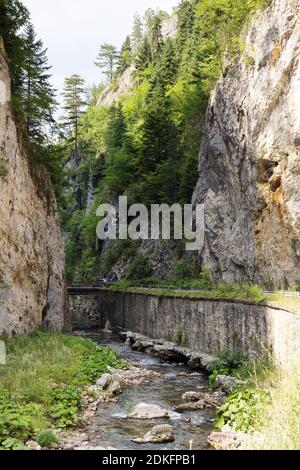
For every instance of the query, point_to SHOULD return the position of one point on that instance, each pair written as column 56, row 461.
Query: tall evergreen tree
column 74, row 103
column 148, row 19
column 37, row 94
column 137, row 33
column 156, row 39
column 125, row 57
column 107, row 59
column 144, row 56
column 13, row 16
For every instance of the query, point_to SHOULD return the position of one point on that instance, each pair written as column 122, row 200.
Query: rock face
column 32, row 288
column 249, row 176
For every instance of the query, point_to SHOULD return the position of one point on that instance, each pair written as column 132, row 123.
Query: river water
column 112, row 428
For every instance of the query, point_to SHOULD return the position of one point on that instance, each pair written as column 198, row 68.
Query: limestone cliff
column 249, row 175
column 32, row 288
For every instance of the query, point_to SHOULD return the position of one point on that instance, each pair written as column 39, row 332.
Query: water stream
column 112, row 428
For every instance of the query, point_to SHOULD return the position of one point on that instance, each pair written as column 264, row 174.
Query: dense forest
column 147, row 144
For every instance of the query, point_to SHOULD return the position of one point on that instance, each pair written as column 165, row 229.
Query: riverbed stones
column 200, row 361
column 159, row 434
column 199, row 401
column 228, row 384
column 104, row 381
column 224, row 440
column 146, row 411
column 108, row 328
column 167, row 351
column 192, row 396
column 170, row 352
column 114, row 387
column 33, row 445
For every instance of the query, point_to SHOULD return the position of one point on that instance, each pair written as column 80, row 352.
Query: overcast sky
column 73, row 30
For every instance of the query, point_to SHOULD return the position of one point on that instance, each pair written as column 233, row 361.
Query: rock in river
column 159, row 434
column 104, row 381
column 145, row 411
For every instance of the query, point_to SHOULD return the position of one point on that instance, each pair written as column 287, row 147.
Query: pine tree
column 107, row 59
column 143, row 57
column 137, row 33
column 38, row 96
column 186, row 19
column 159, row 147
column 13, row 16
column 148, row 19
column 156, row 39
column 74, row 103
column 166, row 68
column 125, row 58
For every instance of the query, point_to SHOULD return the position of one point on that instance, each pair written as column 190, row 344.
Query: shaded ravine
column 112, row 429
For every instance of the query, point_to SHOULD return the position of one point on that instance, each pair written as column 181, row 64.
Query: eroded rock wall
column 249, row 174
column 32, row 287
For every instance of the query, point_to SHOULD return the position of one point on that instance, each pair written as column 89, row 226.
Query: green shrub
column 139, row 268
column 227, row 363
column 46, row 438
column 18, row 422
column 184, row 269
column 228, row 360
column 66, row 403
column 243, row 410
column 95, row 364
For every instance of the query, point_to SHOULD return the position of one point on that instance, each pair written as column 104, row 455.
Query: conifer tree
column 74, row 103
column 148, row 19
column 125, row 57
column 13, row 16
column 107, row 59
column 156, row 39
column 137, row 33
column 38, row 96
column 143, row 57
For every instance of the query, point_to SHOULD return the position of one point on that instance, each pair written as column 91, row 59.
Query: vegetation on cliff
column 146, row 146
column 33, row 97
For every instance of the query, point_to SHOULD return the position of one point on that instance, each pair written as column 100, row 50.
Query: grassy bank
column 266, row 408
column 281, row 417
column 41, row 383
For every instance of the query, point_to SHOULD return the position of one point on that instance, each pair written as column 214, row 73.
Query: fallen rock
column 104, row 381
column 192, row 396
column 142, row 345
column 159, row 434
column 170, row 352
column 200, row 361
column 108, row 328
column 114, row 387
column 54, row 446
column 123, row 335
column 33, row 445
column 145, row 411
column 192, row 406
column 224, row 440
column 228, row 384
column 199, row 401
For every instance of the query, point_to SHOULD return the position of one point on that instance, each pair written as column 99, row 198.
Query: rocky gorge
column 151, row 346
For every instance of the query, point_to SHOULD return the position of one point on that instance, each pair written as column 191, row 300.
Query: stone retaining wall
column 201, row 325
